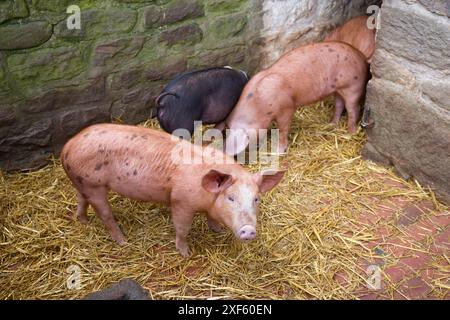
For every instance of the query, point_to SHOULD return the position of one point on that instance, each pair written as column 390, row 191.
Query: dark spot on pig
column 99, row 180
column 126, row 137
column 126, row 163
column 168, row 179
column 321, row 50
column 346, row 58
column 135, row 172
column 355, row 77
column 98, row 166
column 79, row 179
column 327, row 45
column 338, row 56
column 335, row 79
column 269, row 113
column 250, row 95
column 133, row 136
column 128, row 174
column 86, row 175
column 106, row 162
column 330, row 50
column 86, row 135
column 101, row 150
column 102, row 132
column 118, row 178
column 84, row 195
column 67, row 154
column 144, row 137
column 333, row 86
column 68, row 168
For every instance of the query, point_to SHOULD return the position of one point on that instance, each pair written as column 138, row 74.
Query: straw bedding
column 308, row 231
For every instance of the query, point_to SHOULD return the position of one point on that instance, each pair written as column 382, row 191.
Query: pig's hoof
column 332, row 124
column 120, row 240
column 83, row 219
column 353, row 130
column 184, row 251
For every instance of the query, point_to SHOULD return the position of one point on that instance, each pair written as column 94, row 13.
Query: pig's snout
column 247, row 233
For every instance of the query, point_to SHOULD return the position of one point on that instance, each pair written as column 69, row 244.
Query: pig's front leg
column 214, row 225
column 284, row 120
column 182, row 220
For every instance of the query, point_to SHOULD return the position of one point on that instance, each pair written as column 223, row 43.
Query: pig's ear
column 215, row 181
column 267, row 180
column 237, row 141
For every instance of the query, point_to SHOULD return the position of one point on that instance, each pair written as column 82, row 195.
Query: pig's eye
column 256, row 200
column 231, row 198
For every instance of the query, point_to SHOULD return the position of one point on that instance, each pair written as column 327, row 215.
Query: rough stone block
column 136, row 104
column 228, row 26
column 12, row 9
column 408, row 94
column 411, row 132
column 176, row 11
column 22, row 36
column 188, row 34
column 71, row 120
column 51, row 5
column 223, row 5
column 441, row 7
column 420, row 36
column 55, row 99
column 23, row 143
column 7, row 115
column 96, row 23
column 167, row 71
column 45, row 65
column 231, row 56
column 111, row 53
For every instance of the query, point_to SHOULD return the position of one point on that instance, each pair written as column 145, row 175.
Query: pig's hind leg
column 352, row 99
column 98, row 199
column 82, row 208
column 338, row 109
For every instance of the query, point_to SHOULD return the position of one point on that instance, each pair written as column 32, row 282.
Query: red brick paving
column 412, row 250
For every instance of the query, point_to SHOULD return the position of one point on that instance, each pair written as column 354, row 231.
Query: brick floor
column 412, row 248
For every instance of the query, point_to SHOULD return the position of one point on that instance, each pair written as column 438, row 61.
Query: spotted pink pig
column 300, row 77
column 138, row 163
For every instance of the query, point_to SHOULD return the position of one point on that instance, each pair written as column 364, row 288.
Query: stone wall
column 409, row 94
column 55, row 81
column 288, row 24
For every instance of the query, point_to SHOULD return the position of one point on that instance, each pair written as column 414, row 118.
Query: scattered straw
column 308, row 231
